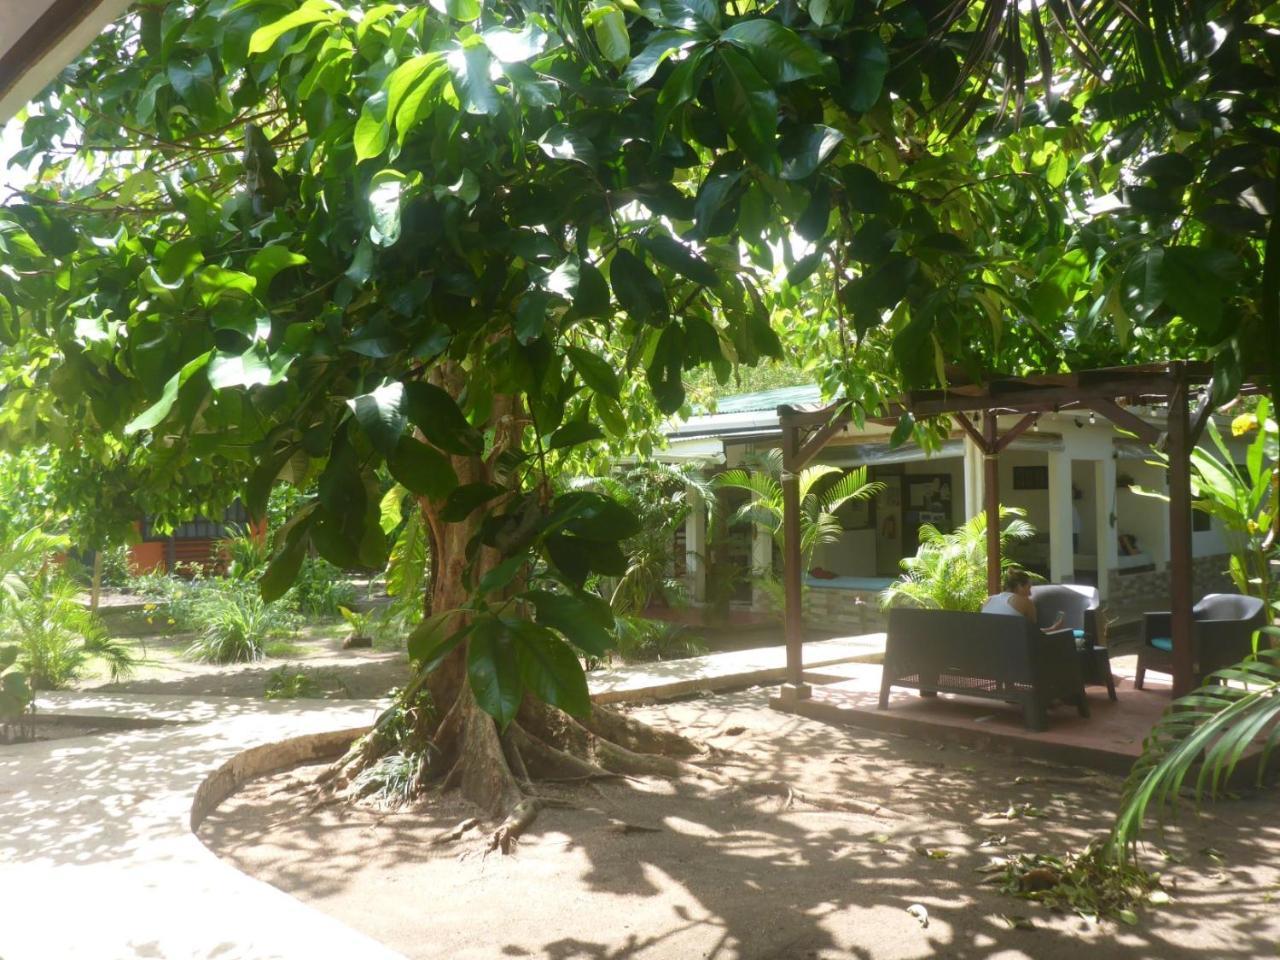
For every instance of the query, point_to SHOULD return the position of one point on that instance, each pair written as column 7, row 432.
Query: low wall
column 1208, row 575
column 855, row 611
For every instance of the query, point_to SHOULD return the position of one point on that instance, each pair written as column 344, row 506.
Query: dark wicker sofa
column 982, row 655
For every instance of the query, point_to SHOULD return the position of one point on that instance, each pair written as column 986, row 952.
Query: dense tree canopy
column 273, row 239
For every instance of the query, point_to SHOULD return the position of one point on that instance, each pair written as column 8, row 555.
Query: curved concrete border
column 267, row 758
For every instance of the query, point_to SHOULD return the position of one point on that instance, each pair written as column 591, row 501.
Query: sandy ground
column 316, row 649
column 728, row 874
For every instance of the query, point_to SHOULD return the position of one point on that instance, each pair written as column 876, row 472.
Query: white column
column 695, row 544
column 972, row 479
column 1061, row 555
column 1104, row 493
column 761, row 564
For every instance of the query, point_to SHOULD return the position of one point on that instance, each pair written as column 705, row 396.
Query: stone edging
column 267, row 758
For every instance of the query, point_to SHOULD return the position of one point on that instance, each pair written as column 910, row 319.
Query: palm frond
column 1237, row 708
column 852, row 486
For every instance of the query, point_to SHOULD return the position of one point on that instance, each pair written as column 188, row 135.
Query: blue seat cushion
column 1078, row 634
column 1162, row 643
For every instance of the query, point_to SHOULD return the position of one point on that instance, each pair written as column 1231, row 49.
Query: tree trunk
column 461, row 745
column 95, row 582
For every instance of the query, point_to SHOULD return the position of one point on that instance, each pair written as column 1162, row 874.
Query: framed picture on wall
column 1031, row 478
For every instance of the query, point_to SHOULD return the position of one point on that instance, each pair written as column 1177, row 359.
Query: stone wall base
column 1208, row 575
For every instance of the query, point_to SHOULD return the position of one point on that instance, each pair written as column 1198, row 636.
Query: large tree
column 267, row 238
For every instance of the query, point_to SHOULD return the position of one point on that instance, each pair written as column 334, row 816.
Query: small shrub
column 247, row 553
column 16, row 695
column 320, row 589
column 292, row 683
column 234, row 624
column 641, row 640
column 56, row 637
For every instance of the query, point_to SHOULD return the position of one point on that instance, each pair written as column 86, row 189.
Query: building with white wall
column 1074, row 474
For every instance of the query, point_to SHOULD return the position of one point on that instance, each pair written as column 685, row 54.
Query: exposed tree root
column 511, row 829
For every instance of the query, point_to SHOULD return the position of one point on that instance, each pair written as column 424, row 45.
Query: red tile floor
column 1109, row 739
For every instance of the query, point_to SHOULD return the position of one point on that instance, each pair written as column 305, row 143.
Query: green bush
column 247, row 553
column 232, row 623
column 292, row 683
column 320, row 589
column 15, row 692
column 56, row 636
column 640, row 640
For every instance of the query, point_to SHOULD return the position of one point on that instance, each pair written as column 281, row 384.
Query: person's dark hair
column 1015, row 578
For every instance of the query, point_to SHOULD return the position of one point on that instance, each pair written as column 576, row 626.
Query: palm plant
column 23, row 555
column 1215, row 725
column 1244, row 502
column 949, row 570
column 657, row 493
column 820, row 498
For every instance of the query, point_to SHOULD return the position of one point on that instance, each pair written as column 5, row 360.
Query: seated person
column 1016, row 599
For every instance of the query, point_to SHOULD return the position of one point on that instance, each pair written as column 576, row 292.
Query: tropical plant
column 1237, row 708
column 234, row 623
column 1245, row 503
column 657, row 494
column 57, row 637
column 644, row 640
column 824, row 489
column 247, row 552
column 294, row 683
column 23, row 557
column 16, row 695
column 319, row 589
column 409, row 558
column 363, row 623
column 949, row 570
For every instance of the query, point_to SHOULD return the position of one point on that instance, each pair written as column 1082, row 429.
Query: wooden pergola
column 975, row 408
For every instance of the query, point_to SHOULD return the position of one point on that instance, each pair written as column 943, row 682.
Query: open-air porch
column 1100, row 731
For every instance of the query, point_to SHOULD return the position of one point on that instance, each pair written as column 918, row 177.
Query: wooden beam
column 991, row 499
column 929, row 403
column 962, row 419
column 812, row 445
column 1126, row 420
column 1180, row 582
column 1200, row 419
column 1017, row 430
column 792, row 574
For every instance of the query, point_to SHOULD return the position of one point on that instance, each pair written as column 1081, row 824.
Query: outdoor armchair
column 1222, row 629
column 989, row 655
column 1080, row 607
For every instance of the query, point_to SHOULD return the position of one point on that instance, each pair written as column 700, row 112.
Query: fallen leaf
column 1018, row 922
column 1128, row 916
column 1158, row 897
column 920, row 913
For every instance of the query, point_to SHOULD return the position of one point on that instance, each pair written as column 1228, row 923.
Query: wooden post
column 1180, row 587
column 991, row 498
column 792, row 572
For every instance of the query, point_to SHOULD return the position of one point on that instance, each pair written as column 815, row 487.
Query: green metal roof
column 769, row 399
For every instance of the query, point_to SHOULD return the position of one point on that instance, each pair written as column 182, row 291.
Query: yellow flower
column 149, row 607
column 1243, row 424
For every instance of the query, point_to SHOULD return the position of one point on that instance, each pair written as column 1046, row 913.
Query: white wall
column 1146, row 518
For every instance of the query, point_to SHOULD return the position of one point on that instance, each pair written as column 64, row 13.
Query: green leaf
column 494, row 670
column 865, row 67
column 592, row 296
column 593, row 516
column 611, row 34
column 779, row 54
column 676, row 256
column 515, row 46
column 639, row 292
column 384, row 206
column 573, row 433
column 596, row 372
column 466, row 499
column 428, row 644
column 180, row 260
column 314, row 11
column 269, row 261
column 469, row 67
column 466, row 10
column 422, row 469
column 867, row 193
column 902, row 432
column 372, row 129
column 551, row 670
column 283, row 569
column 586, row 621
column 255, row 367
column 501, row 575
column 400, row 81
column 807, row 148
column 562, row 142
column 748, row 108
column 381, row 415
column 436, row 414
column 661, row 45
column 152, row 416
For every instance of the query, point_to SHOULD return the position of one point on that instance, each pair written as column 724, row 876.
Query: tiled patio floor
column 1109, row 739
